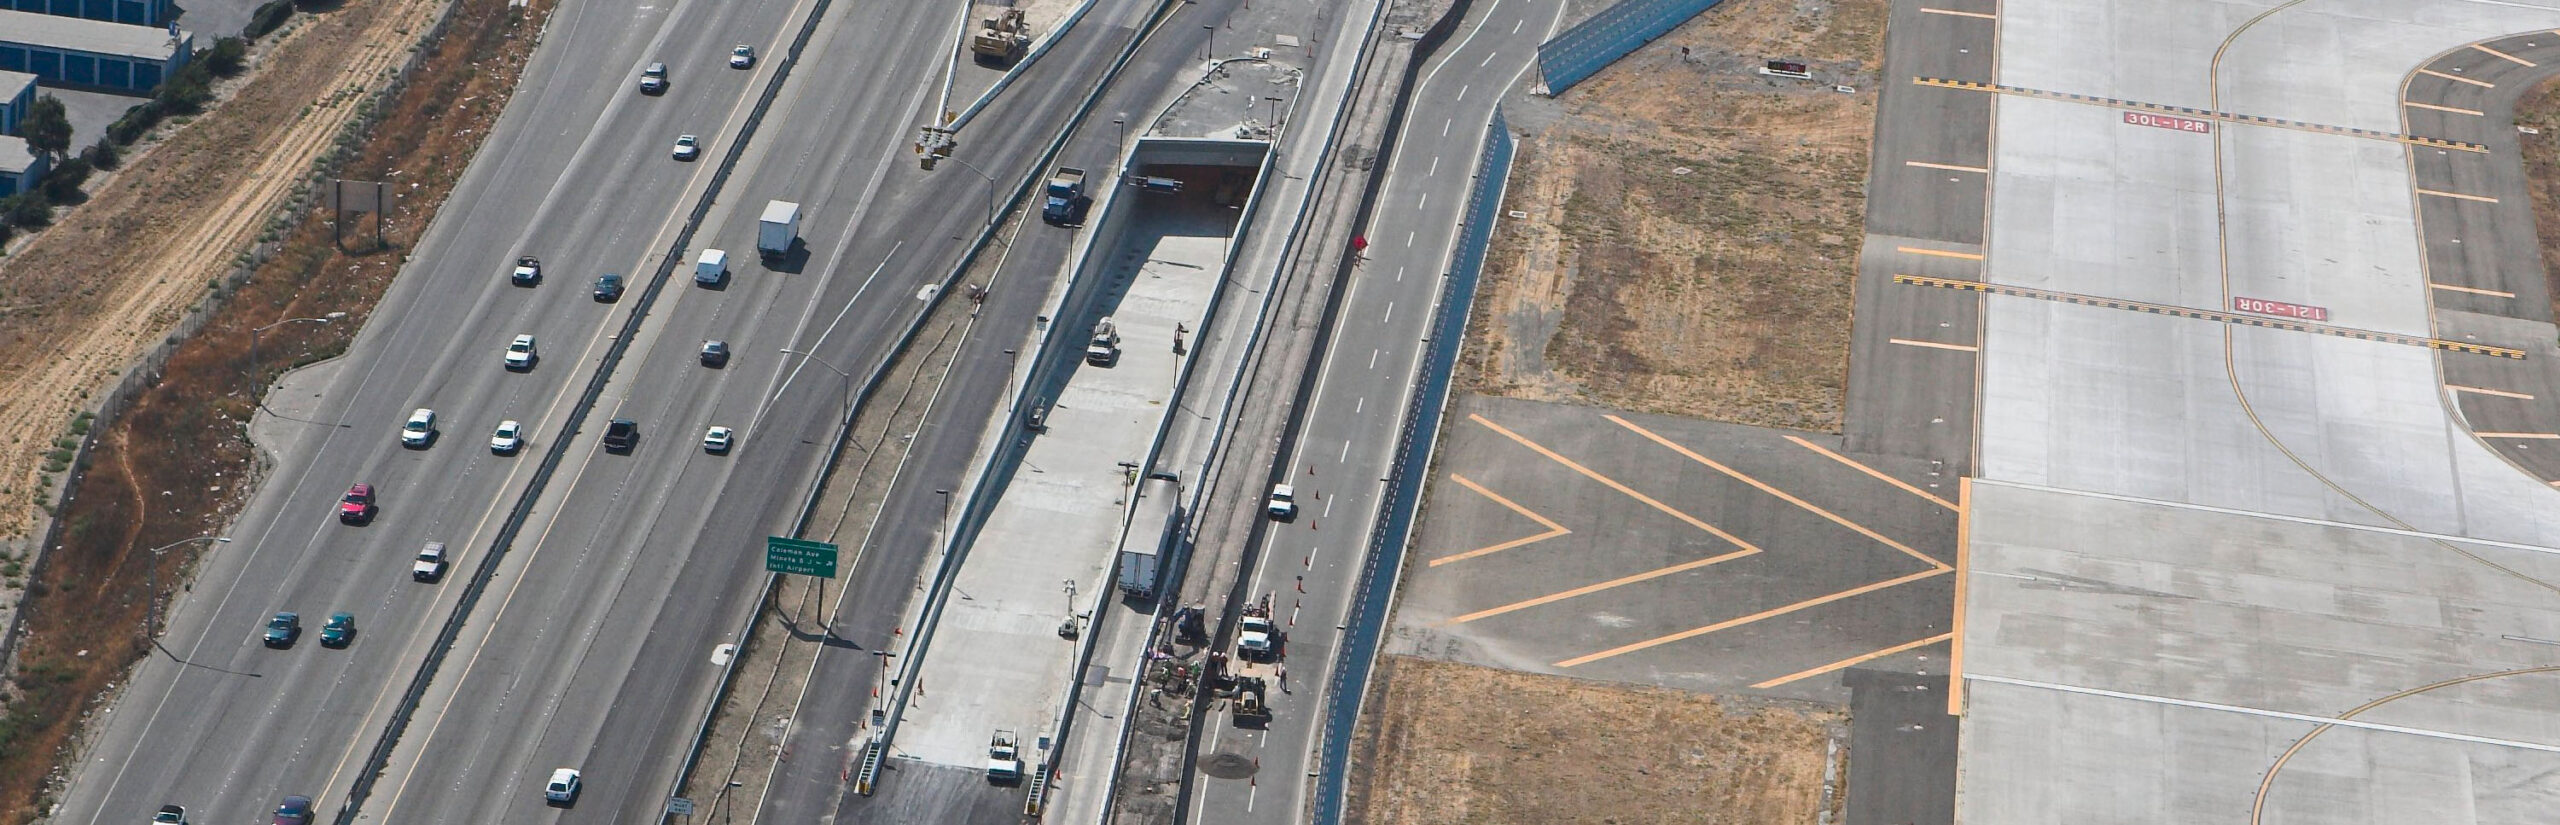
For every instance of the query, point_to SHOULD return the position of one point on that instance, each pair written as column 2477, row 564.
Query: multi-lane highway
column 593, row 647
column 235, row 726
column 1347, row 439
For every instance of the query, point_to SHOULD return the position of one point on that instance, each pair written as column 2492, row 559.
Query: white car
column 430, row 563
column 508, row 439
column 688, row 147
column 716, row 440
column 421, row 429
column 563, row 787
column 520, row 355
column 742, row 57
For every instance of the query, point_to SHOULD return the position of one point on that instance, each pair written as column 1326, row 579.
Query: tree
column 47, row 127
column 26, row 209
column 104, row 154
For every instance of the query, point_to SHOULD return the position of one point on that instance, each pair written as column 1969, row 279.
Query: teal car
column 283, row 629
column 340, row 630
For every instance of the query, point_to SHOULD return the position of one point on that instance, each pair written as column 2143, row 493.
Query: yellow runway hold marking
column 1728, row 624
column 1553, row 529
column 1970, row 256
column 1934, row 345
column 2495, row 53
column 1954, row 13
column 1878, row 474
column 2458, row 78
column 2435, row 108
column 1855, row 660
column 2458, row 196
column 1781, row 495
column 2472, row 290
column 1589, row 589
column 2234, row 318
column 2189, row 111
column 2525, row 436
column 1946, row 166
column 1964, row 585
column 1613, row 484
column 2487, row 391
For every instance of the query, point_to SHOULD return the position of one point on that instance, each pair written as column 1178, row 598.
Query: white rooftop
column 15, row 156
column 93, row 36
column 11, row 82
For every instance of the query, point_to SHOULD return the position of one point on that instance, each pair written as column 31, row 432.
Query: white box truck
column 711, row 268
column 1152, row 519
column 777, row 230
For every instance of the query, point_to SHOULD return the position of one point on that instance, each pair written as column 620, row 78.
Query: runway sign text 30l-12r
column 2183, row 124
column 2262, row 306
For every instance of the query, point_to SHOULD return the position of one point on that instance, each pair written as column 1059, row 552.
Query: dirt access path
column 95, row 292
column 1682, row 229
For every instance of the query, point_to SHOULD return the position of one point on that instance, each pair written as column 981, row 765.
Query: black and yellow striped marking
column 2209, row 315
column 2226, row 117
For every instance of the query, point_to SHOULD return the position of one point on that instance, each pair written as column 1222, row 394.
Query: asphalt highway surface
column 592, row 648
column 1348, row 438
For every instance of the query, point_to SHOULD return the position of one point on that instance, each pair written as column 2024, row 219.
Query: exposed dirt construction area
column 178, row 464
column 2539, row 109
column 1453, row 743
column 97, row 290
column 1690, row 235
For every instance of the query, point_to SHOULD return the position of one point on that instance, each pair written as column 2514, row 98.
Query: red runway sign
column 2280, row 309
column 2183, row 124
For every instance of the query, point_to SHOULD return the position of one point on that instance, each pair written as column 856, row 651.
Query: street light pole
column 151, row 619
column 848, row 377
column 991, row 187
column 258, row 392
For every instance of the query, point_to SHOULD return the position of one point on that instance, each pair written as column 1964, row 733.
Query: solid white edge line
column 2265, row 713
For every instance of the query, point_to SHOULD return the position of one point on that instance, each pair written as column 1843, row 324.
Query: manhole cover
column 1227, row 765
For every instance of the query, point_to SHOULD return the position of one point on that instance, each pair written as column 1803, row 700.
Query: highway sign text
column 797, row 557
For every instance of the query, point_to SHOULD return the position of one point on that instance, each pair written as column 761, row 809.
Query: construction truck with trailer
column 1256, row 667
column 1001, row 38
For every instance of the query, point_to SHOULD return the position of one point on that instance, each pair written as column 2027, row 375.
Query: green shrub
column 227, row 57
column 267, row 18
column 103, row 154
column 62, row 185
column 136, row 122
column 26, row 209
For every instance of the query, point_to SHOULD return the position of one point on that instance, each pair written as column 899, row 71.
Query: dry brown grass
column 1691, row 239
column 1453, row 743
column 181, row 448
column 2540, row 109
column 101, row 288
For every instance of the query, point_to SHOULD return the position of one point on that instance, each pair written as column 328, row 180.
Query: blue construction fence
column 1367, row 620
column 1582, row 51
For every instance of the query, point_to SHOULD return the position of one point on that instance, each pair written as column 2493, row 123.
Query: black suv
column 621, row 435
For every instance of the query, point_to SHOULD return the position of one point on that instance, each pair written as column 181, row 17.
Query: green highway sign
column 797, row 557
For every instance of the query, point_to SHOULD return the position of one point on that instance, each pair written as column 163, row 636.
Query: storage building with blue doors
column 20, row 166
column 69, row 51
column 17, row 92
column 136, row 12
